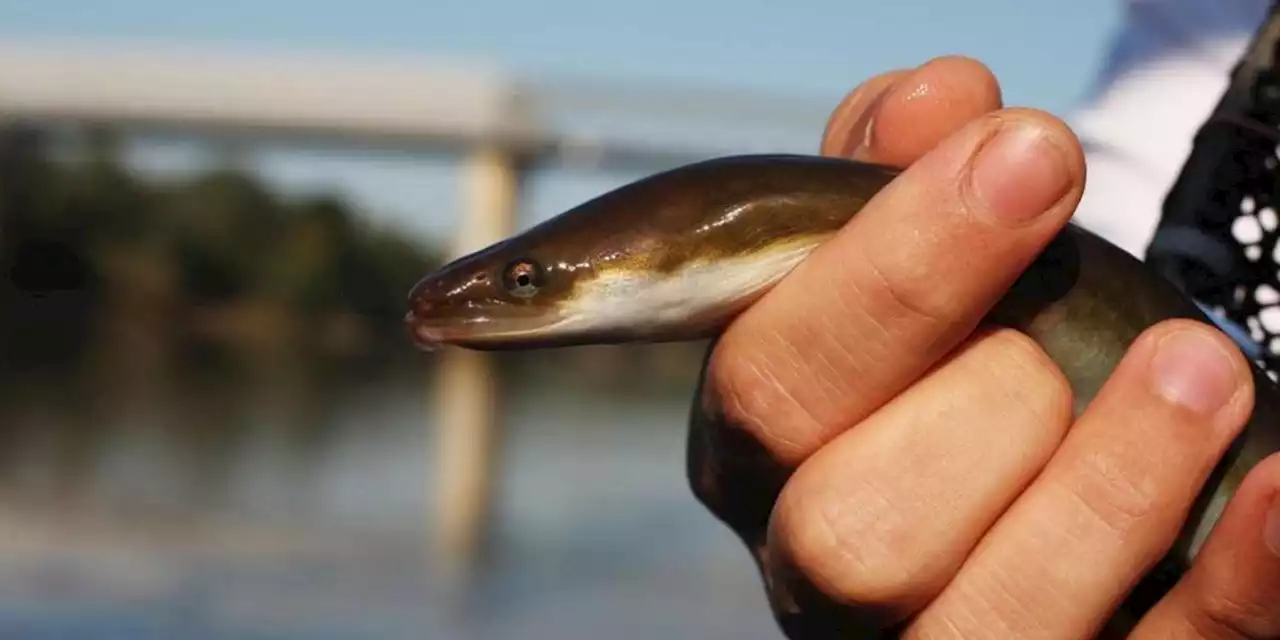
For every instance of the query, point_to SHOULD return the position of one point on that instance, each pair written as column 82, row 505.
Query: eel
column 677, row 255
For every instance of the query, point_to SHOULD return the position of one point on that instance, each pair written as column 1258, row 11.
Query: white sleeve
column 1165, row 72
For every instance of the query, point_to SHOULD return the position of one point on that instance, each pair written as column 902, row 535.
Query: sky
column 1045, row 54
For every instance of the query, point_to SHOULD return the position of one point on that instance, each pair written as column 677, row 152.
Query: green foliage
column 94, row 232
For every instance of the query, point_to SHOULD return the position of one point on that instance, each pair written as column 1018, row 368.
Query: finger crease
column 903, row 301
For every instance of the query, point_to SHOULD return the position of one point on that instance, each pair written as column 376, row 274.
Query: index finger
column 871, row 309
column 892, row 118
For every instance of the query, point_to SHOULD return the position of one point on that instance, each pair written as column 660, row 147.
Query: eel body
column 677, row 255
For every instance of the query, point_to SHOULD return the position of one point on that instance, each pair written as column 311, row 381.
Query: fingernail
column 1020, row 174
column 860, row 139
column 1192, row 370
column 1271, row 530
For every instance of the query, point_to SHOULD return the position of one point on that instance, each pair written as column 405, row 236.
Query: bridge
column 497, row 125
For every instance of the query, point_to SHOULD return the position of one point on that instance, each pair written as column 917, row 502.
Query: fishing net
column 1219, row 237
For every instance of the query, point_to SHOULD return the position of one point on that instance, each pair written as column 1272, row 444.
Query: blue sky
column 1044, row 53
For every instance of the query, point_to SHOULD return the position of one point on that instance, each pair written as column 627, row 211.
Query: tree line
column 218, row 257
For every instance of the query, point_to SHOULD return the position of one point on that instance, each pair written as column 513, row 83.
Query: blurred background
column 211, row 423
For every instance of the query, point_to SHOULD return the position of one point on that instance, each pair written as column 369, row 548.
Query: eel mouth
column 481, row 332
column 426, row 337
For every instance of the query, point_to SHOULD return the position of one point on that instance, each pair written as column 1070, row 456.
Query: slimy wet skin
column 676, row 256
column 670, row 257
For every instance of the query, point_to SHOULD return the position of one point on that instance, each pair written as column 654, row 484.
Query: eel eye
column 522, row 278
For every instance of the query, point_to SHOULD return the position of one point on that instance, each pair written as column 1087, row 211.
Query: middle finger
column 1115, row 492
column 878, row 521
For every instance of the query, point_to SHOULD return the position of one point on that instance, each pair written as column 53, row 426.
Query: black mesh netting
column 1220, row 235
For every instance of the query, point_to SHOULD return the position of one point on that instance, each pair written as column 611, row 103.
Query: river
column 158, row 507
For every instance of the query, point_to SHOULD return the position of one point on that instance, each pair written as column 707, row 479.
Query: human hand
column 896, row 472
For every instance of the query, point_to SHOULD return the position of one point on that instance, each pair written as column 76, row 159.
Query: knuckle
column 752, row 397
column 851, row 546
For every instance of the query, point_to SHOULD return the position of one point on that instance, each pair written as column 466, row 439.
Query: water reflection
column 207, row 497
